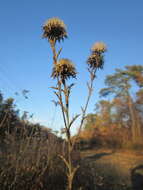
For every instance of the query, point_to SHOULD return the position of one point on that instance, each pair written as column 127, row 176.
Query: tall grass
column 29, row 161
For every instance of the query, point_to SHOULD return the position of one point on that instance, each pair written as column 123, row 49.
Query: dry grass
column 101, row 169
column 113, row 169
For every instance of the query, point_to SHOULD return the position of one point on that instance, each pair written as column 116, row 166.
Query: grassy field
column 115, row 169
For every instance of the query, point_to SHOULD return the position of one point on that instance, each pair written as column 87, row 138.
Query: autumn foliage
column 118, row 123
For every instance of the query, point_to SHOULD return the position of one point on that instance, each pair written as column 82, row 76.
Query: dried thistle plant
column 96, row 59
column 54, row 29
column 63, row 69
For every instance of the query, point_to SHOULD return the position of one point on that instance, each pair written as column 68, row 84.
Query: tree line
column 118, row 121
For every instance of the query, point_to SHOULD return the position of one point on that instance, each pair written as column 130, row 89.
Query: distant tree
column 119, row 85
column 90, row 121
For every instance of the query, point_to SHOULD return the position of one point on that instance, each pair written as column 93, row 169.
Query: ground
column 117, row 168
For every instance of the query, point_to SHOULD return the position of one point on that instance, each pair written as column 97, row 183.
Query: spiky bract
column 95, row 60
column 64, row 69
column 54, row 29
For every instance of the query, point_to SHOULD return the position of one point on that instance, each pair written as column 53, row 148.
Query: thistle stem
column 90, row 89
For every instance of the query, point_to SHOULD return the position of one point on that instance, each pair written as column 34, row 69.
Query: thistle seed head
column 54, row 29
column 99, row 47
column 64, row 69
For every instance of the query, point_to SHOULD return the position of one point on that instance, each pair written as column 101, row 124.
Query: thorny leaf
column 59, row 53
column 55, row 88
column 71, row 85
column 57, row 95
column 56, row 103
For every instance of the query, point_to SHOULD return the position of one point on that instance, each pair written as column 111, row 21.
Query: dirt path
column 116, row 167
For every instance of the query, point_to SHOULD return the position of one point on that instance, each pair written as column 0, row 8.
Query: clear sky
column 25, row 58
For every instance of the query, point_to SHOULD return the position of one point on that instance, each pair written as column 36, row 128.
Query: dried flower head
column 99, row 47
column 95, row 60
column 64, row 69
column 54, row 29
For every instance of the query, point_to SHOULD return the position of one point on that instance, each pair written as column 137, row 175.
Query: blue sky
column 25, row 58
